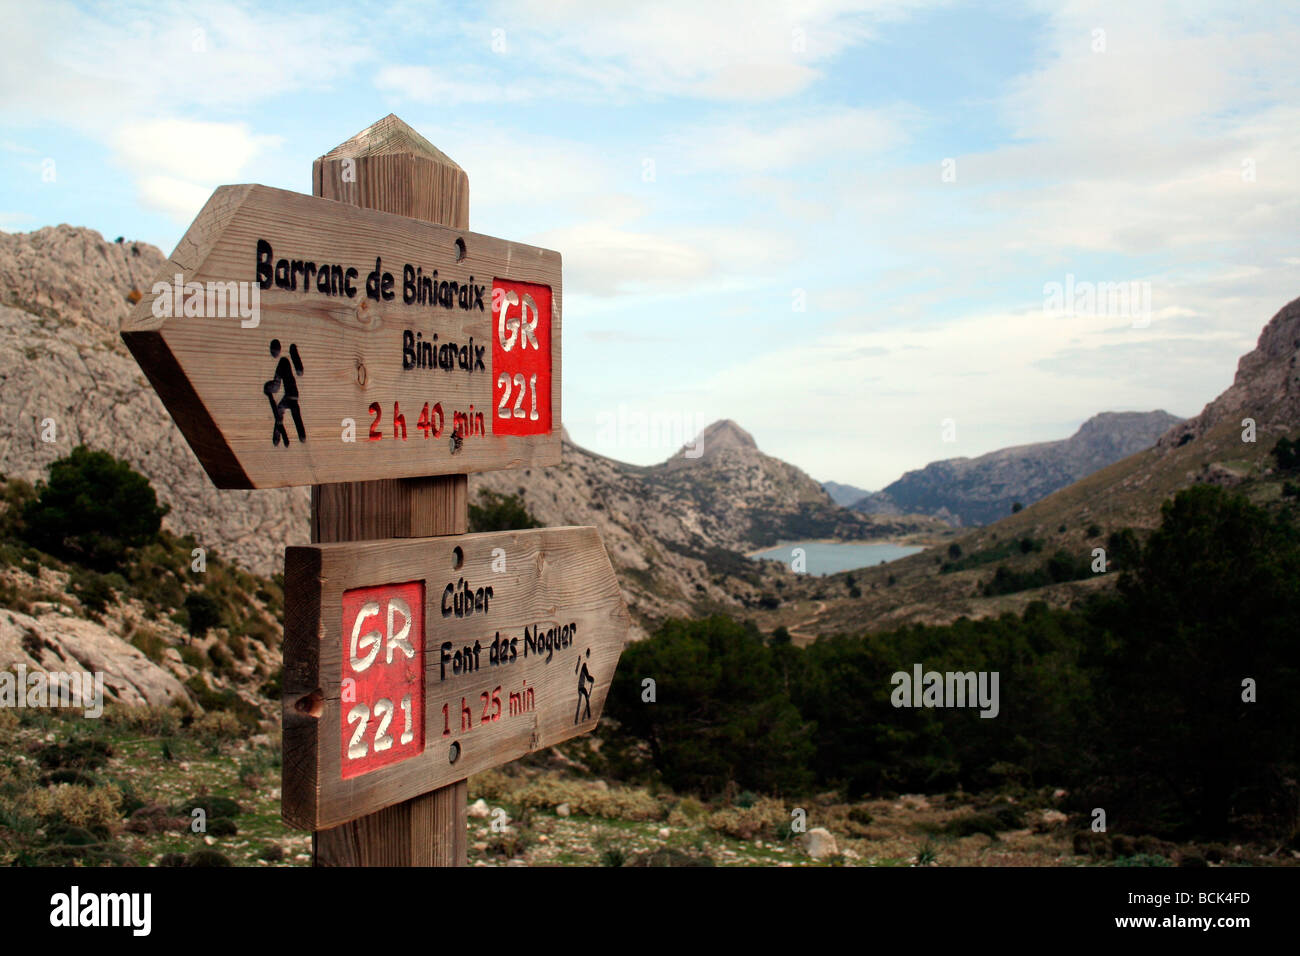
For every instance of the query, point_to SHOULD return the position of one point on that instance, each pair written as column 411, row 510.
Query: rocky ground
column 124, row 790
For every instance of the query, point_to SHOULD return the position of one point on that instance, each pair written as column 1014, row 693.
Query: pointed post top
column 389, row 136
column 390, row 167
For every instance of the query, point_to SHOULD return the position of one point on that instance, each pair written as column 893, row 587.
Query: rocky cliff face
column 1265, row 389
column 65, row 374
column 982, row 490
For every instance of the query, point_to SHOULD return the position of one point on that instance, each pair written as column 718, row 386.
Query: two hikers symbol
column 286, row 380
column 584, row 690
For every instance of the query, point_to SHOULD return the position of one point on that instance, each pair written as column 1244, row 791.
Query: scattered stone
column 1053, row 817
column 479, row 809
column 480, row 847
column 562, row 810
column 664, row 833
column 819, row 844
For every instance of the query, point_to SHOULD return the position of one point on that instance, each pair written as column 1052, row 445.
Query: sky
column 867, row 232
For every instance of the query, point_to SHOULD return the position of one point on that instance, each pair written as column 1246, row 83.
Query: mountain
column 65, row 375
column 674, row 531
column 971, row 491
column 1216, row 446
column 844, row 495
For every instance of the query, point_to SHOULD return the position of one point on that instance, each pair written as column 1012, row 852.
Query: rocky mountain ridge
column 973, row 491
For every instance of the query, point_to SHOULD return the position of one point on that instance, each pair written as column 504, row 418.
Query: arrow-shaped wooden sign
column 409, row 665
column 298, row 340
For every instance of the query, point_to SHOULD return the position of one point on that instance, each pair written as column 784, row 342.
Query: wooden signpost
column 364, row 342
column 377, row 343
column 425, row 662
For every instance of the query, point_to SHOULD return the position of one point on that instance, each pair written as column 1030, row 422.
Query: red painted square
column 382, row 711
column 521, row 358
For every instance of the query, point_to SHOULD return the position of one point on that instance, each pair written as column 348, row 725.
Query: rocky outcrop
column 1266, row 388
column 65, row 375
column 982, row 490
column 61, row 643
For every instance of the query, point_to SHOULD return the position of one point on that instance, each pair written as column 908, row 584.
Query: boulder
column 819, row 843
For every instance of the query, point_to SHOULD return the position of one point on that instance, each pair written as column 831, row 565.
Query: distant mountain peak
column 722, row 435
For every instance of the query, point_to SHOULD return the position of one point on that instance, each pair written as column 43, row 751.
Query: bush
column 95, row 810
column 1287, row 454
column 497, row 512
column 84, row 754
column 217, row 727
column 202, row 613
column 92, row 589
column 588, row 799
column 92, row 510
column 766, row 818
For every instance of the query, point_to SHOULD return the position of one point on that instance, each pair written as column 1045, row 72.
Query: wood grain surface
column 211, row 371
column 554, row 581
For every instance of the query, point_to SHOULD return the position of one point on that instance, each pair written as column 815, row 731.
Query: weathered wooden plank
column 281, row 387
column 525, row 664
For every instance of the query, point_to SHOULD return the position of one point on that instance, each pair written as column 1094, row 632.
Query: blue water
column 827, row 558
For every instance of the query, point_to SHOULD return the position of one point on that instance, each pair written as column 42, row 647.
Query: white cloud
column 420, row 84
column 827, row 138
column 199, row 151
column 179, row 199
column 728, row 50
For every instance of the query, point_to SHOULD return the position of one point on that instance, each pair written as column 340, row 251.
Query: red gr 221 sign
column 383, row 676
column 521, row 358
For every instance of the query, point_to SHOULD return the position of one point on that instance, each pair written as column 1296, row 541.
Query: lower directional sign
column 411, row 664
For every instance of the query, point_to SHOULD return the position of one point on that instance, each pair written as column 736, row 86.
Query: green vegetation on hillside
column 1134, row 700
column 498, row 512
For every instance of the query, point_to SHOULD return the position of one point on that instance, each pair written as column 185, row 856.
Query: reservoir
column 828, row 557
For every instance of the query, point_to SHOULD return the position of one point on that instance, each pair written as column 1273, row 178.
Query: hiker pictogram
column 285, row 379
column 584, row 690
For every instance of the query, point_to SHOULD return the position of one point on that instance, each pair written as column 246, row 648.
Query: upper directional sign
column 301, row 341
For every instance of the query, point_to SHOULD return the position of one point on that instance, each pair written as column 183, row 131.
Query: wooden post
column 392, row 168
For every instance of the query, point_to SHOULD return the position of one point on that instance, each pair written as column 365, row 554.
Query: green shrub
column 1287, row 454
column 497, row 512
column 82, row 754
column 92, row 510
column 202, row 613
column 149, row 643
column 92, row 589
